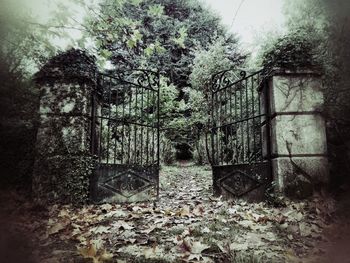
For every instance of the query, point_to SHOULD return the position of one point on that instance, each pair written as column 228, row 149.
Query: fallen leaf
column 106, row 207
column 198, row 210
column 270, row 236
column 122, row 225
column 95, row 251
column 89, row 251
column 63, row 213
column 196, row 257
column 57, row 227
column 105, row 256
column 116, row 213
column 100, row 230
column 305, row 230
column 238, row 246
column 205, row 230
column 153, row 252
column 184, row 211
column 197, row 247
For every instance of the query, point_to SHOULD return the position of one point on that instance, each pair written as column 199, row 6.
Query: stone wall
column 298, row 133
column 63, row 157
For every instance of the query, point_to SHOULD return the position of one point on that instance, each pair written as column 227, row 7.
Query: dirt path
column 184, row 183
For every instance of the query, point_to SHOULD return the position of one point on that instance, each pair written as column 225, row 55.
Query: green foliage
column 180, row 40
column 326, row 25
column 168, row 152
column 27, row 40
column 219, row 56
column 200, row 153
column 169, row 105
column 155, row 10
column 18, row 106
column 162, row 33
column 207, row 62
column 292, row 51
column 25, row 45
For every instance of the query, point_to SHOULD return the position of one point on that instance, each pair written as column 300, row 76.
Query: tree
column 161, row 34
column 164, row 35
column 25, row 44
column 28, row 40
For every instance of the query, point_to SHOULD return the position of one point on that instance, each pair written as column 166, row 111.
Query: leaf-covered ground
column 186, row 225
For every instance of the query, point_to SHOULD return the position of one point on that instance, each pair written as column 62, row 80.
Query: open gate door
column 240, row 136
column 125, row 137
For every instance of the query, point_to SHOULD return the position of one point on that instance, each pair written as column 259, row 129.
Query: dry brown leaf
column 197, row 247
column 193, row 247
column 116, row 213
column 105, row 256
column 106, row 207
column 305, row 229
column 100, row 230
column 198, row 210
column 205, row 230
column 153, row 252
column 122, row 225
column 89, row 251
column 95, row 251
column 184, row 211
column 57, row 227
column 63, row 213
column 168, row 212
column 148, row 230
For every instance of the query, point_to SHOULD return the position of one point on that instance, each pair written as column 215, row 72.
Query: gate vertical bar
column 212, row 129
column 158, row 128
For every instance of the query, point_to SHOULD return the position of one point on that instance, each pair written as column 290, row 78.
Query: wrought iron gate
column 240, row 135
column 125, row 137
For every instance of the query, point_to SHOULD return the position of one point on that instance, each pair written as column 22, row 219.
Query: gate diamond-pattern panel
column 240, row 135
column 127, row 183
column 125, row 137
column 238, row 183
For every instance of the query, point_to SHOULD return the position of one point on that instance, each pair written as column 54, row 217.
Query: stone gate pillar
column 63, row 161
column 298, row 132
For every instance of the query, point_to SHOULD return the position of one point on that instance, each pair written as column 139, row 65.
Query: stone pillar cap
column 72, row 65
column 297, row 71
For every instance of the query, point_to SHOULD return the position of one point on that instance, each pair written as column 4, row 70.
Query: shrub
column 168, row 151
column 295, row 50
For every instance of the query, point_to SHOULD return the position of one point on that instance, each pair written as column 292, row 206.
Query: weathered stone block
column 63, row 135
column 298, row 134
column 297, row 177
column 296, row 93
column 65, row 99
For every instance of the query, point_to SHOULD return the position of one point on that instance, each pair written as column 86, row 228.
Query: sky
column 248, row 17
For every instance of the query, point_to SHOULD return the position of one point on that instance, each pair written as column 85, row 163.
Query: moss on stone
column 64, row 164
column 63, row 179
